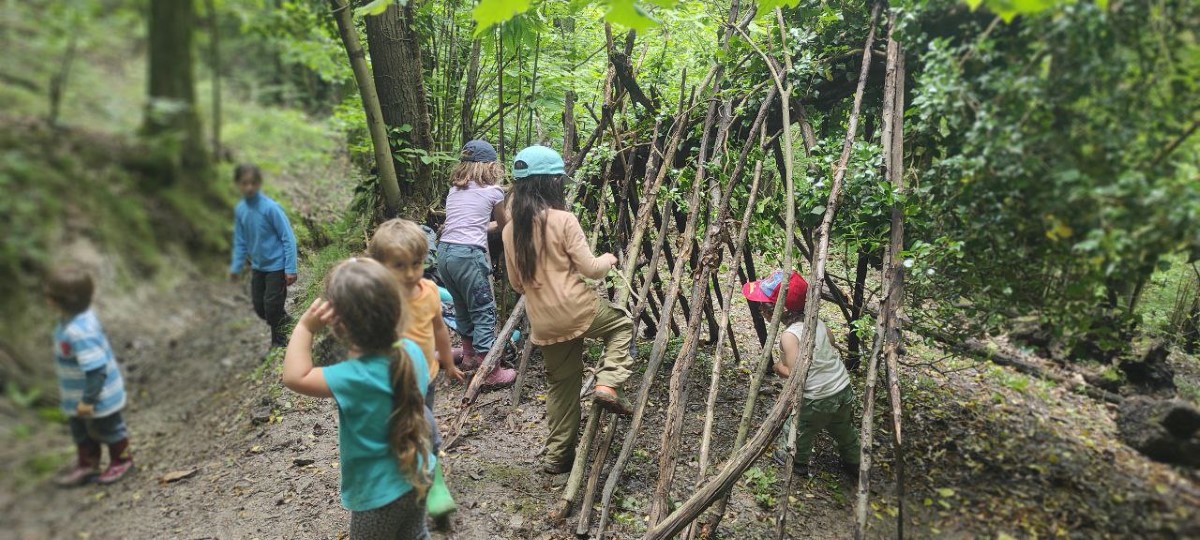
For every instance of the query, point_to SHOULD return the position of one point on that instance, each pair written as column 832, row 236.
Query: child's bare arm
column 790, row 346
column 299, row 375
column 441, row 337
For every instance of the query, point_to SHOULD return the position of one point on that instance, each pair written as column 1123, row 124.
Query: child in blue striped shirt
column 89, row 381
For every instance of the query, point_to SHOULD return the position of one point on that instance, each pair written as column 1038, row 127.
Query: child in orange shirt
column 401, row 246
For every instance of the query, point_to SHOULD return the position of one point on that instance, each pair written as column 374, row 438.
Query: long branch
column 886, row 331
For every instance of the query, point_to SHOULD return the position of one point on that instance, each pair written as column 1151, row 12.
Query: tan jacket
column 559, row 304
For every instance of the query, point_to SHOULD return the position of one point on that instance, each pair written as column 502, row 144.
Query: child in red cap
column 828, row 396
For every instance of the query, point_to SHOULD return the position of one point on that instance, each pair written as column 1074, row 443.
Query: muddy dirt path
column 260, row 462
column 987, row 453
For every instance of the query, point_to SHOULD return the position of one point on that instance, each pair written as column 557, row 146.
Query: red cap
column 767, row 290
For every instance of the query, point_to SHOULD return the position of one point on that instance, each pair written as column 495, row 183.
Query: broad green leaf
column 375, row 7
column 491, row 12
column 766, row 7
column 629, row 14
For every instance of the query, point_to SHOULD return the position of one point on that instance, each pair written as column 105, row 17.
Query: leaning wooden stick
column 489, row 363
column 724, row 333
column 522, row 367
column 887, row 332
column 589, row 494
column 680, row 372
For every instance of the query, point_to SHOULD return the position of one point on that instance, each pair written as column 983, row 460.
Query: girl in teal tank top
column 383, row 437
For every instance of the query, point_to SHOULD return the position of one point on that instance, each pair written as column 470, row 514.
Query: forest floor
column 988, row 453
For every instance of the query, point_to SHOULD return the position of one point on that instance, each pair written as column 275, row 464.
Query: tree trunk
column 171, row 111
column 468, row 103
column 399, row 79
column 370, row 101
column 214, row 61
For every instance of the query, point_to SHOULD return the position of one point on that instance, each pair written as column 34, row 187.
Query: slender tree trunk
column 568, row 117
column 58, row 82
column 366, row 88
column 214, row 61
column 171, row 111
column 500, row 89
column 468, row 104
column 400, row 82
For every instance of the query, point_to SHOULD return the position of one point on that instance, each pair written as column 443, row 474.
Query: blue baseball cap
column 479, row 151
column 537, row 160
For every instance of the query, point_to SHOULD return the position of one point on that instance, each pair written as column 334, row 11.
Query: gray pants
column 436, row 438
column 108, row 430
column 464, row 271
column 403, row 518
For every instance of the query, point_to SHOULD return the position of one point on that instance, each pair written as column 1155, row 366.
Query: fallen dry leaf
column 175, row 476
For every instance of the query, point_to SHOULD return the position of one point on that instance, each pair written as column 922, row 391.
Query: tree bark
column 370, row 100
column 214, row 61
column 395, row 50
column 468, row 103
column 171, row 111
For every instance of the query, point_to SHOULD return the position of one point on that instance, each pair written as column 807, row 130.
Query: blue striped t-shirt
column 81, row 346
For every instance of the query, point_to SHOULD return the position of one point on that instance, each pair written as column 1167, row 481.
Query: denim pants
column 464, row 271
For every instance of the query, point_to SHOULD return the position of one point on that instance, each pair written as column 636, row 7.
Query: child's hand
column 609, row 259
column 453, row 372
column 233, row 276
column 319, row 315
column 83, row 410
column 290, row 278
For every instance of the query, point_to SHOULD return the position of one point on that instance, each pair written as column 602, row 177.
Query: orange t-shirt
column 422, row 309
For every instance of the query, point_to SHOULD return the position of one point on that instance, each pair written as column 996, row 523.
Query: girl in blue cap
column 473, row 210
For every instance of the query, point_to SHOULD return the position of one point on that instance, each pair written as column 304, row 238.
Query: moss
column 73, row 185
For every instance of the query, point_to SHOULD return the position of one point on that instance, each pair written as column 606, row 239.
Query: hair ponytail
column 408, row 431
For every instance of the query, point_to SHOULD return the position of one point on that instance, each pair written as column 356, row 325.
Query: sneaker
column 115, row 471
column 613, row 402
column 562, row 465
column 501, row 377
column 780, row 458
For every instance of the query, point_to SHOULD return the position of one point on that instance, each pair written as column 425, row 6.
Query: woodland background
column 1046, row 172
